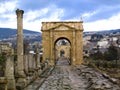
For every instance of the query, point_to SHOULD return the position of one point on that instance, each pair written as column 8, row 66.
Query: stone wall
column 32, row 68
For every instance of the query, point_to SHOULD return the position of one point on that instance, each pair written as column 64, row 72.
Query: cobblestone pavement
column 63, row 62
column 77, row 78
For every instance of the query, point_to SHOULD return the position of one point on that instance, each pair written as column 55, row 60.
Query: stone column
column 9, row 73
column 21, row 81
column 30, row 63
column 73, row 48
column 38, row 62
column 51, row 51
column 20, row 63
column 37, row 58
column 26, row 63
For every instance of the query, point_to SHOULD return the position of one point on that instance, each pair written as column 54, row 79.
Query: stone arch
column 53, row 31
column 62, row 49
column 62, row 38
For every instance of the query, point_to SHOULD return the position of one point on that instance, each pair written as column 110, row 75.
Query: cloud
column 7, row 13
column 88, row 15
column 6, row 7
column 35, row 14
column 96, row 14
column 104, row 24
column 100, row 13
column 33, row 19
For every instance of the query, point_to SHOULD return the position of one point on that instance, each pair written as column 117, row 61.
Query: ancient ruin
column 70, row 31
column 62, row 42
column 20, row 63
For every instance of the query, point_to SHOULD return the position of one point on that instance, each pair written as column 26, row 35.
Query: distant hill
column 6, row 33
column 110, row 31
column 103, row 32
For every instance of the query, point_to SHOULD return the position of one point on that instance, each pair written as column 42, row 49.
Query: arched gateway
column 69, row 31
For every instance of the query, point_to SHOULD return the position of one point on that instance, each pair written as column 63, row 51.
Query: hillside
column 103, row 32
column 7, row 33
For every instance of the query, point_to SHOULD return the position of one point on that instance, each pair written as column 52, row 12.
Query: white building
column 103, row 43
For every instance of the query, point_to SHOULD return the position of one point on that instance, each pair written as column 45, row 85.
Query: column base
column 52, row 62
column 21, row 74
column 11, row 84
column 21, row 80
column 21, row 83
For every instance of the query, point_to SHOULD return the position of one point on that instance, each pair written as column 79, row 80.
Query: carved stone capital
column 19, row 13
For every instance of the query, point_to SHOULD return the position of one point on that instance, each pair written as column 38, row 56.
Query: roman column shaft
column 20, row 63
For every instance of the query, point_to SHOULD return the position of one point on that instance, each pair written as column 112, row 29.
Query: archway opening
column 62, row 52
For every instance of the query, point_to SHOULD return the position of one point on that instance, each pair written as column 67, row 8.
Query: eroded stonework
column 72, row 31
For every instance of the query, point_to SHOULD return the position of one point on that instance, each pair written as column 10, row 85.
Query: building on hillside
column 103, row 44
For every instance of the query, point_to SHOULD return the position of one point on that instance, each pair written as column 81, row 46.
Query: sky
column 97, row 15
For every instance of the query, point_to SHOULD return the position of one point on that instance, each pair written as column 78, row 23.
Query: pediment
column 62, row 27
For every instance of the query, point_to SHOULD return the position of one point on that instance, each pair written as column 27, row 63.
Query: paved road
column 63, row 62
column 74, row 78
column 77, row 78
column 64, row 78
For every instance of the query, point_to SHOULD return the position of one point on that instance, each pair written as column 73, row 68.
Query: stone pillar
column 39, row 70
column 73, row 48
column 32, row 66
column 9, row 73
column 37, row 58
column 30, row 63
column 20, row 63
column 26, row 63
column 21, row 82
column 51, row 51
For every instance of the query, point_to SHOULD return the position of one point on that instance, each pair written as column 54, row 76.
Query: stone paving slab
column 77, row 78
column 73, row 78
column 38, row 82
